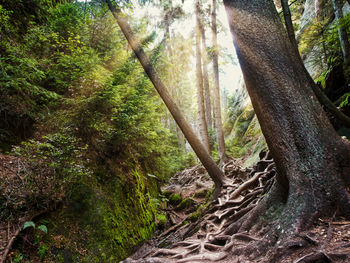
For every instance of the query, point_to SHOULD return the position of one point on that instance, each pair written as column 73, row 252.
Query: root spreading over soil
column 234, row 228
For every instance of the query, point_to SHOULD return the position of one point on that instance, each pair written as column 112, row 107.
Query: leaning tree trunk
column 213, row 170
column 205, row 71
column 203, row 128
column 343, row 36
column 313, row 162
column 217, row 104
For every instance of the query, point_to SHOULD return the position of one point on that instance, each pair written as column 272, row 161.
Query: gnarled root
column 254, row 216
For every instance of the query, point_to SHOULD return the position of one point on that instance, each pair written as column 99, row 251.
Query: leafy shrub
column 48, row 169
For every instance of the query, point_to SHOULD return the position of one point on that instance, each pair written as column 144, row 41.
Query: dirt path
column 207, row 238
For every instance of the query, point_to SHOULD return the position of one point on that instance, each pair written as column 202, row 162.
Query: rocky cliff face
column 243, row 134
column 312, row 9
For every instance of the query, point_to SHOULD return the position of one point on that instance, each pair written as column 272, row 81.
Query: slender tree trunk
column 324, row 100
column 173, row 88
column 205, row 72
column 203, row 128
column 217, row 104
column 213, row 170
column 207, row 95
column 343, row 36
column 313, row 162
column 288, row 22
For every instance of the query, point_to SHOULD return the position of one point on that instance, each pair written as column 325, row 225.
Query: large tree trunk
column 203, row 128
column 205, row 70
column 217, row 103
column 313, row 162
column 343, row 36
column 213, row 170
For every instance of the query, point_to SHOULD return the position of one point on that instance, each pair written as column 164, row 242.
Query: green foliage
column 125, row 117
column 18, row 258
column 57, row 162
column 28, row 224
column 325, row 36
column 175, row 199
column 344, row 100
column 42, row 228
column 4, row 19
column 38, row 62
column 69, row 74
column 66, row 19
column 38, row 231
column 42, row 250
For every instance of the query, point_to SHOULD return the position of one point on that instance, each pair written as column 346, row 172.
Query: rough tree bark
column 205, row 71
column 213, row 170
column 217, row 103
column 203, row 128
column 343, row 36
column 312, row 161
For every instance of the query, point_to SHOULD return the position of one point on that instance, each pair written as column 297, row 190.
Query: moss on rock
column 104, row 220
column 246, row 139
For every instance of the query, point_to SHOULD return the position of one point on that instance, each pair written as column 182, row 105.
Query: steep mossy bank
column 104, row 220
column 96, row 211
column 85, row 131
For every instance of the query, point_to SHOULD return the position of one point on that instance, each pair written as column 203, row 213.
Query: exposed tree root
column 209, row 241
column 249, row 220
column 10, row 243
column 314, row 257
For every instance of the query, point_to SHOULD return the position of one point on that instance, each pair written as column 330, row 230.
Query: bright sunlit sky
column 230, row 72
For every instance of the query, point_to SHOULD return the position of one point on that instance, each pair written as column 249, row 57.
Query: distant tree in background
column 203, row 126
column 217, row 102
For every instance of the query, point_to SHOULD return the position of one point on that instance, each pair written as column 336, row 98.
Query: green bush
column 57, row 162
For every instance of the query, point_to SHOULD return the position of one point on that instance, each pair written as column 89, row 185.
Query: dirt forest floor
column 195, row 225
column 10, row 181
column 15, row 206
